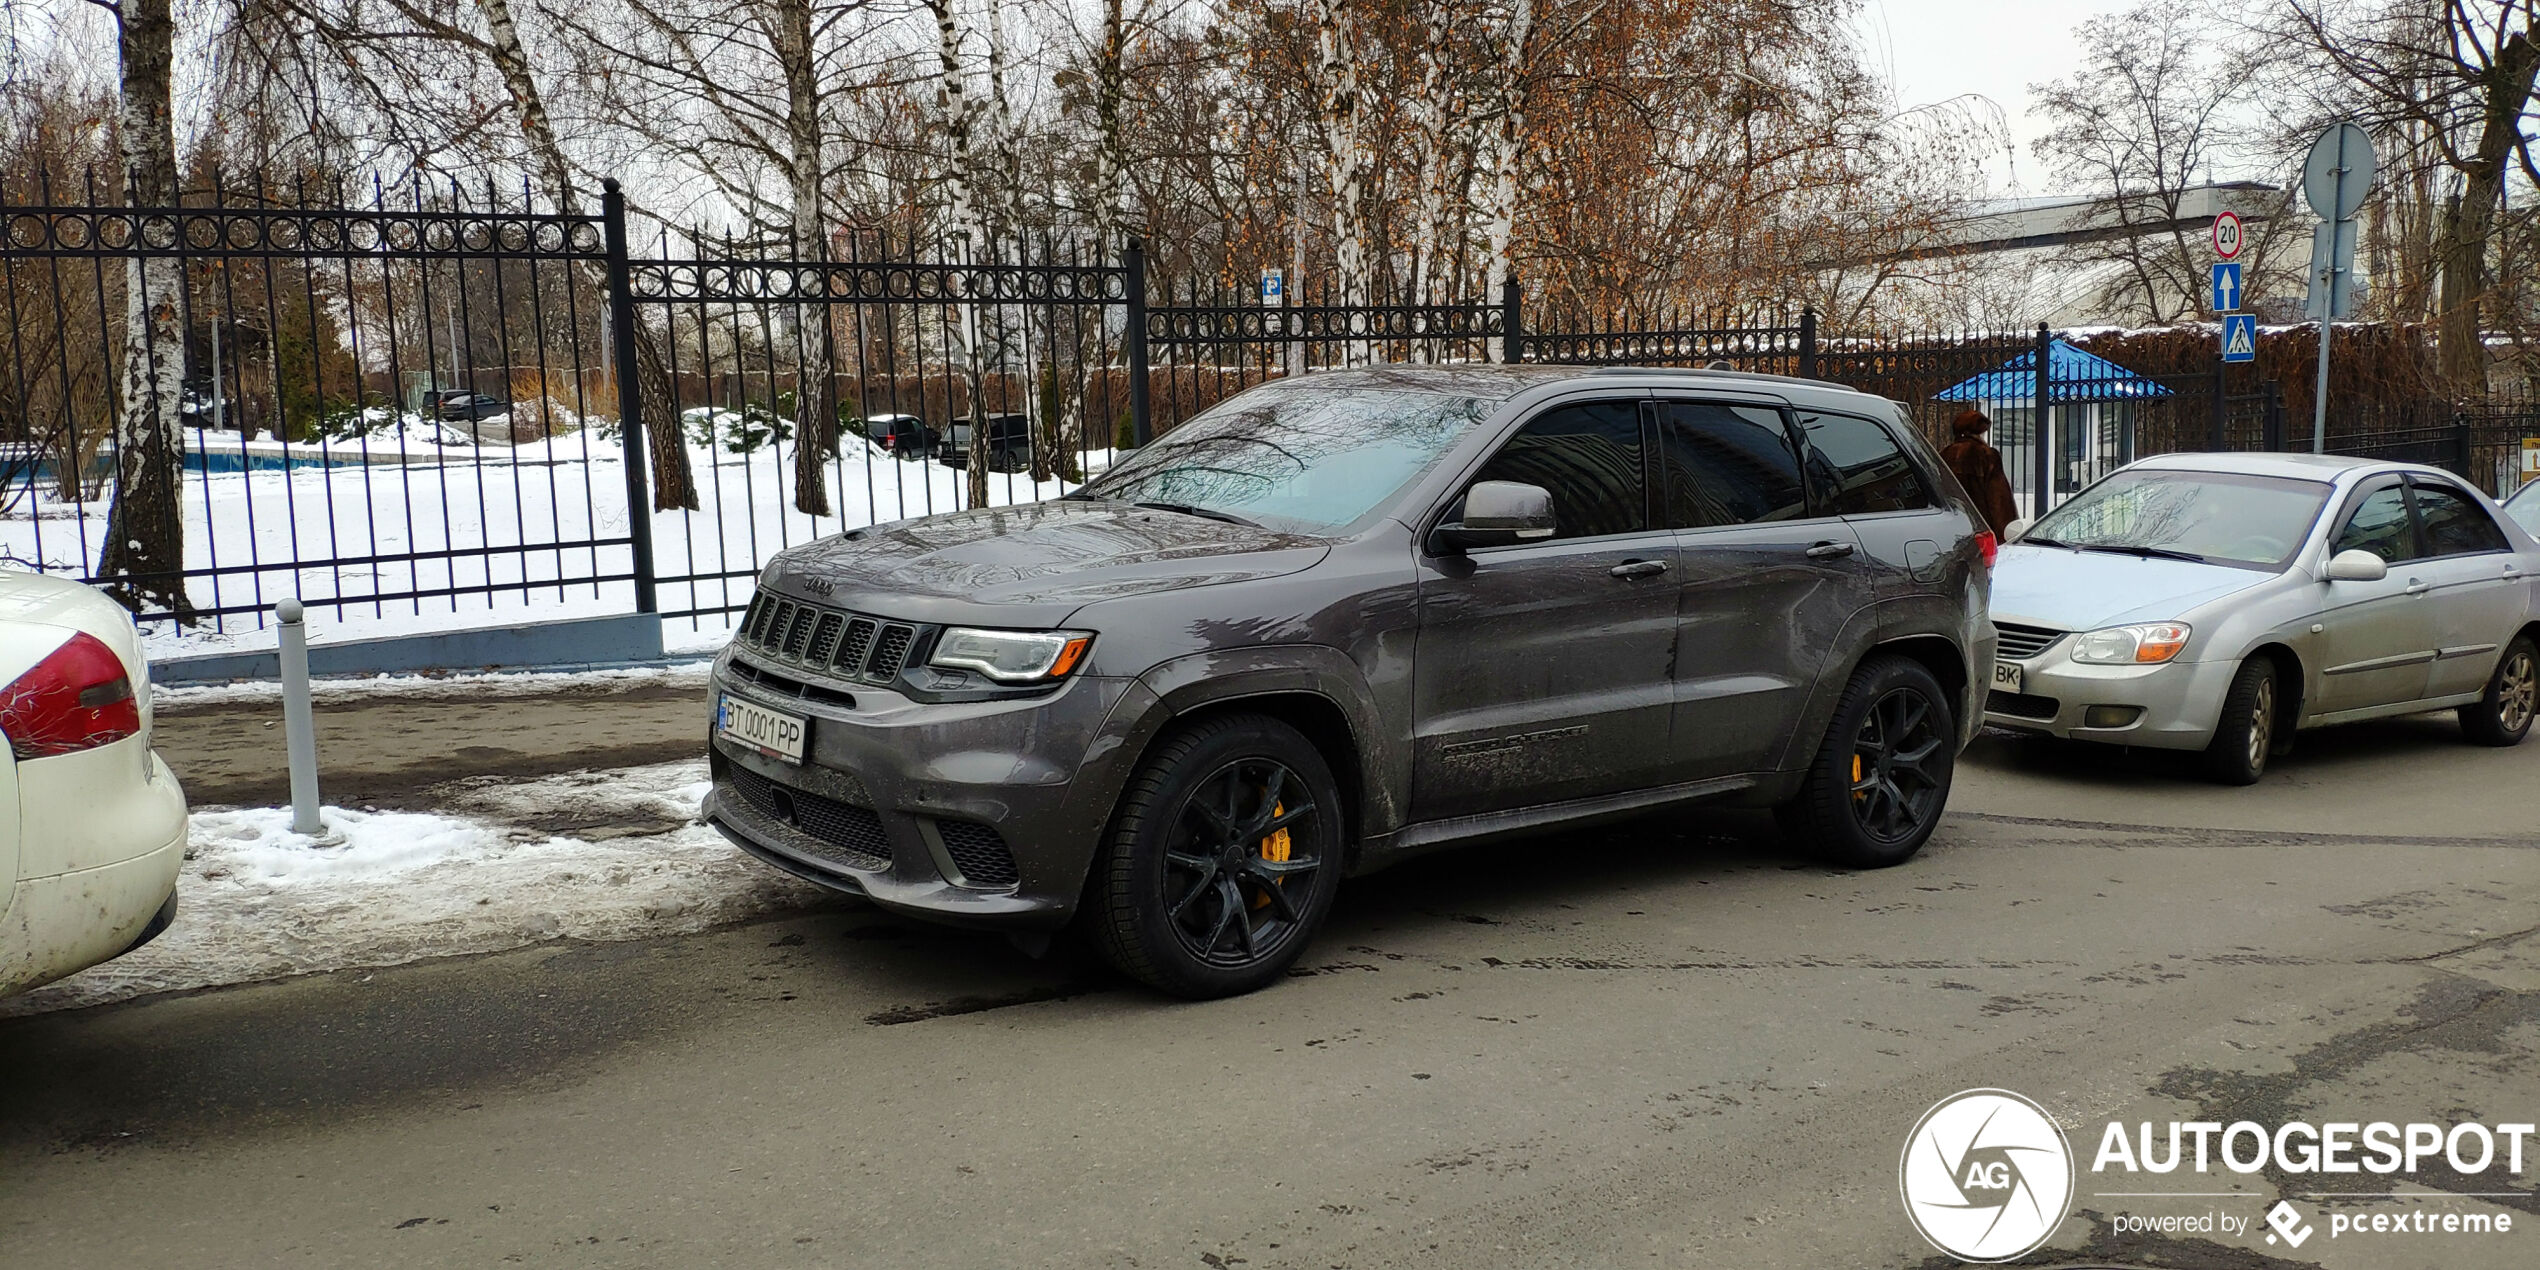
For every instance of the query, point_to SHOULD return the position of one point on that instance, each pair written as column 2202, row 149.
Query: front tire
column 1879, row 782
column 1222, row 861
column 2503, row 716
column 2245, row 734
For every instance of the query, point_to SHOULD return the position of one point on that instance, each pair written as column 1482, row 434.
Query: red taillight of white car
column 1987, row 547
column 78, row 698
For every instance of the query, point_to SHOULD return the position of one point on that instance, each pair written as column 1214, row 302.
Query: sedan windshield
column 1300, row 459
column 2524, row 507
column 2252, row 522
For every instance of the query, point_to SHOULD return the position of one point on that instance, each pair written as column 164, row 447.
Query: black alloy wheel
column 1880, row 780
column 1222, row 860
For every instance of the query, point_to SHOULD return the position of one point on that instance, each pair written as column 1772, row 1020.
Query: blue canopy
column 2072, row 375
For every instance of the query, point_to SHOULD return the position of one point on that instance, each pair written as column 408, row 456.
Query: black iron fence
column 431, row 401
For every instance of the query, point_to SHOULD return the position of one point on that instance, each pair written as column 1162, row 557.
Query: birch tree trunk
column 1429, row 116
column 1341, row 109
column 674, row 482
column 1500, row 206
column 143, row 560
column 961, row 329
column 815, row 408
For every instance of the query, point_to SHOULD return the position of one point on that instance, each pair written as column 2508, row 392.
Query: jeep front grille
column 826, row 640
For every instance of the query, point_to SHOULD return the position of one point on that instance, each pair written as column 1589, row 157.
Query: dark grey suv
column 1341, row 620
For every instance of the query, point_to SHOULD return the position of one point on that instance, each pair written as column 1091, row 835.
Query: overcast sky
column 1939, row 49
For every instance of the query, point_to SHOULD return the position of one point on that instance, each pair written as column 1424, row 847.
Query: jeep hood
column 1031, row 564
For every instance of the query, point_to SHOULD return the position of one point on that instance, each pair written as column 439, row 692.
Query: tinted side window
column 1589, row 457
column 2379, row 525
column 1727, row 465
column 2455, row 526
column 1858, row 467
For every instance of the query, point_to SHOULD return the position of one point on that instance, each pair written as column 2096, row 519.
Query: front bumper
column 2175, row 704
column 893, row 795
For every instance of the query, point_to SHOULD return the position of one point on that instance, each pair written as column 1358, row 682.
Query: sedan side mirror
column 2355, row 564
column 2017, row 529
column 1496, row 514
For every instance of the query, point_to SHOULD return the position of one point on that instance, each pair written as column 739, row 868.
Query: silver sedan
column 2219, row 602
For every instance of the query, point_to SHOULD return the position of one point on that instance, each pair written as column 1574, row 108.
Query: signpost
column 2226, row 287
column 2335, row 177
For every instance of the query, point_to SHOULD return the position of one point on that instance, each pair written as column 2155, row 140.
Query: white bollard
column 299, row 723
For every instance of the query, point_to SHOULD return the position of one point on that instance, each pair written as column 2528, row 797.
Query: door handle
column 1631, row 569
column 1829, row 550
column 2418, row 586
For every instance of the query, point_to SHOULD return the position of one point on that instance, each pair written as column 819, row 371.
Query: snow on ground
column 256, row 903
column 501, row 511
column 687, row 674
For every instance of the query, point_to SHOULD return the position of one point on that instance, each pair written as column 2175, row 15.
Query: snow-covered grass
column 255, row 902
column 343, row 519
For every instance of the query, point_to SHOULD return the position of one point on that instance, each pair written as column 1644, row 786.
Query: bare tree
column 144, row 554
column 2451, row 81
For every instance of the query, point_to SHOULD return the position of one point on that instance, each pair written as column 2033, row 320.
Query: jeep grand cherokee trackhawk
column 1341, row 620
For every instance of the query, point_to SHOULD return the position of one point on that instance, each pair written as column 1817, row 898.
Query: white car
column 92, row 824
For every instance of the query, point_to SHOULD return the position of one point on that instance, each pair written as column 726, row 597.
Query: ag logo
column 1986, row 1175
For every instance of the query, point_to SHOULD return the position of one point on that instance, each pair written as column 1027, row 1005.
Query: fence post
column 1808, row 342
column 1134, row 259
column 2463, row 447
column 2272, row 430
column 630, row 394
column 2042, row 434
column 2222, row 406
column 1512, row 322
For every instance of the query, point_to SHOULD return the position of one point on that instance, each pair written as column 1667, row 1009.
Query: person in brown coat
column 1978, row 467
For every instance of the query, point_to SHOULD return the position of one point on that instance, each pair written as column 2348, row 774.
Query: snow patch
column 257, row 902
column 474, row 686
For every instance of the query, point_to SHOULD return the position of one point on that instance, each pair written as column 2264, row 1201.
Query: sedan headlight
column 2148, row 644
column 1011, row 657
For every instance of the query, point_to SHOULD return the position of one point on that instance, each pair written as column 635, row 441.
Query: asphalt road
column 1666, row 1044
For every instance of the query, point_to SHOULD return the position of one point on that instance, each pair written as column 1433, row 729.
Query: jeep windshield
column 1299, row 459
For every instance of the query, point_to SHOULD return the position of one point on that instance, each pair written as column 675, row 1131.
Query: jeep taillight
column 1987, row 547
column 78, row 698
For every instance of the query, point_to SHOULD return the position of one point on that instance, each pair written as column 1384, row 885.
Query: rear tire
column 1222, row 861
column 2245, row 734
column 2503, row 716
column 1876, row 788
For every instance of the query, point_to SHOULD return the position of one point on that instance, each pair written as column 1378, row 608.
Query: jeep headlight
column 1011, row 657
column 2147, row 644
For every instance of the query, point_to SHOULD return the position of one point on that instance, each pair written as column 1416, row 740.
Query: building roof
column 2072, row 374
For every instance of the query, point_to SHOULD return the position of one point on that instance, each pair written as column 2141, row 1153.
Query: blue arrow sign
column 2226, row 286
column 2240, row 337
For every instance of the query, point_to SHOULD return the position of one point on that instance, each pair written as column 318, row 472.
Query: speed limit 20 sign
column 2227, row 235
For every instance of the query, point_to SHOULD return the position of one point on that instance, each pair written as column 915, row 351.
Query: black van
column 1009, row 444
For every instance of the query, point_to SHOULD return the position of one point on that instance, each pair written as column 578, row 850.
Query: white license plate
column 770, row 733
column 2006, row 676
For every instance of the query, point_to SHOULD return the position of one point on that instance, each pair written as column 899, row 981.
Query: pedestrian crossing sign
column 2240, row 337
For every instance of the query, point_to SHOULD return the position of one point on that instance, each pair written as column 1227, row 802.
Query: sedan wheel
column 2244, row 735
column 1222, row 860
column 2503, row 715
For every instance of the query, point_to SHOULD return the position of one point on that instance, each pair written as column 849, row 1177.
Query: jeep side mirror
column 1497, row 514
column 2355, row 564
column 2017, row 529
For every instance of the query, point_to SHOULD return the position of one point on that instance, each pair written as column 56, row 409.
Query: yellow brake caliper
column 1274, row 847
column 1857, row 792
